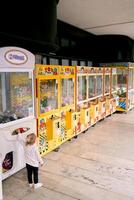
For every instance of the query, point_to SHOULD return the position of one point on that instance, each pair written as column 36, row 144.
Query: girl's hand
column 42, row 163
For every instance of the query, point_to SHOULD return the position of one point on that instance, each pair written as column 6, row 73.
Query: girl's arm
column 40, row 160
column 20, row 139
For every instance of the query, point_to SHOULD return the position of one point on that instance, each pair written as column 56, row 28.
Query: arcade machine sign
column 16, row 105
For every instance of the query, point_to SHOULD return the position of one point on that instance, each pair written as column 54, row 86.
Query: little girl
column 32, row 158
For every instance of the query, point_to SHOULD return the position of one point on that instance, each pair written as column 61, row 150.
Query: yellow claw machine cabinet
column 16, row 106
column 99, row 93
column 92, row 97
column 82, row 105
column 67, row 107
column 107, row 89
column 125, row 86
column 48, row 104
column 114, row 97
column 131, row 86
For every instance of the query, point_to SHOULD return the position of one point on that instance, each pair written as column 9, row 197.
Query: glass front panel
column 82, row 87
column 130, row 79
column 99, row 85
column 121, row 82
column 91, row 86
column 114, row 82
column 107, row 83
column 15, row 96
column 0, row 94
column 67, row 92
column 48, row 95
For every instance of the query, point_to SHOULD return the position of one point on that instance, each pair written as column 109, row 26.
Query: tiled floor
column 98, row 165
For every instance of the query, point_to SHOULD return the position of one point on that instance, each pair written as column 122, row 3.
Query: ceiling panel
column 99, row 16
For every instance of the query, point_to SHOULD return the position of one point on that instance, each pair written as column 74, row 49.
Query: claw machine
column 16, row 105
column 107, row 89
column 99, row 93
column 67, row 107
column 131, row 86
column 82, row 105
column 92, row 95
column 48, row 107
column 114, row 97
column 125, row 86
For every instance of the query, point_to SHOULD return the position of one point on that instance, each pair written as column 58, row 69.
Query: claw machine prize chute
column 67, row 93
column 48, row 104
column 16, row 105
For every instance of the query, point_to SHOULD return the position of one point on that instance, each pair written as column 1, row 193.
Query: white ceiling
column 99, row 16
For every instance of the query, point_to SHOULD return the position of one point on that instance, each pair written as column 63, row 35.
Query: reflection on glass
column 91, row 87
column 67, row 92
column 82, row 86
column 15, row 95
column 114, row 82
column 121, row 83
column 107, row 84
column 99, row 85
column 130, row 79
column 0, row 94
column 48, row 95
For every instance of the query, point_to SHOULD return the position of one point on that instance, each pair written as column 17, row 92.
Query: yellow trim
column 120, row 109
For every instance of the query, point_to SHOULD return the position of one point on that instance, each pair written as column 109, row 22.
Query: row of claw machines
column 70, row 99
column 55, row 102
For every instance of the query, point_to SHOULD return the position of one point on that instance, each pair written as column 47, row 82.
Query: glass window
column 114, row 82
column 54, row 61
column 82, row 63
column 73, row 43
column 107, row 83
column 64, row 42
column 38, row 59
column 89, row 63
column 67, row 92
column 65, row 62
column 44, row 60
column 82, row 87
column 48, row 95
column 91, row 86
column 74, row 62
column 16, row 96
column 99, row 85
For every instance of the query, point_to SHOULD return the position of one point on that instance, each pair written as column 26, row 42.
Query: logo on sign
column 16, row 57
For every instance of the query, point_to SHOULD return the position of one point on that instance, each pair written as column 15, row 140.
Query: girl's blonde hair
column 32, row 139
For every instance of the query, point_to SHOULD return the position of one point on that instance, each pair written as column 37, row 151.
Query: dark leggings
column 32, row 171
